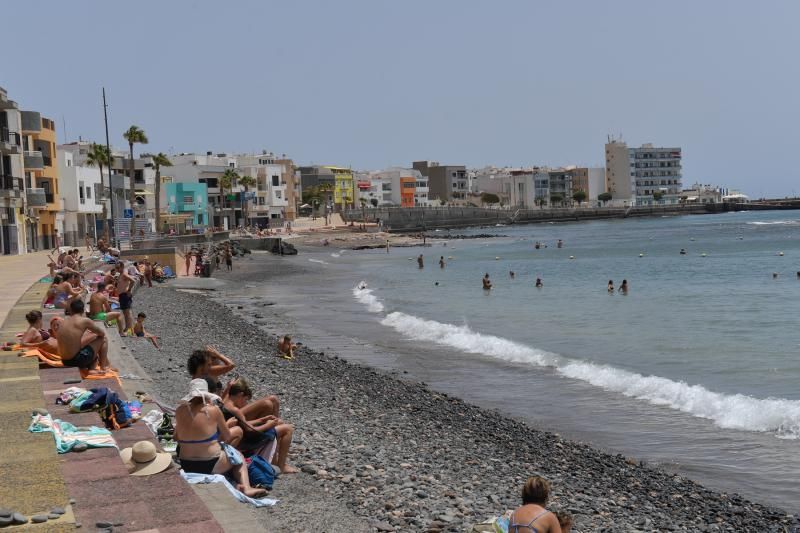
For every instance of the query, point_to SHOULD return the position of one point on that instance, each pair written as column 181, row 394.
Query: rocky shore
column 381, row 453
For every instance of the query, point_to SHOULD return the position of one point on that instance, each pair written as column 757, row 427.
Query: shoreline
column 378, row 442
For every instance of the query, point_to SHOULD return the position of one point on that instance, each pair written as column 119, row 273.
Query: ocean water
column 696, row 368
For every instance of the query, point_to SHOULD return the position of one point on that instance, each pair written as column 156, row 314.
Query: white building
column 397, row 186
column 265, row 202
column 637, row 176
column 82, row 192
column 12, row 184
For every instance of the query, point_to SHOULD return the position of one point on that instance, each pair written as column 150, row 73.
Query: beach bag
column 261, row 473
column 115, row 414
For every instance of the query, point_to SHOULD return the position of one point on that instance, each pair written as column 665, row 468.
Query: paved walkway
column 19, row 272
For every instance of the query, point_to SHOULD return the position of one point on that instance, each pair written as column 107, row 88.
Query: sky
column 372, row 84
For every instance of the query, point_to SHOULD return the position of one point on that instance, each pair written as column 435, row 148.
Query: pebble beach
column 380, row 452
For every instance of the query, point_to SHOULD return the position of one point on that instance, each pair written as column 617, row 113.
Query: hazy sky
column 377, row 83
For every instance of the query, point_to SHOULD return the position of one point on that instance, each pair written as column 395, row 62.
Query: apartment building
column 445, row 182
column 44, row 210
column 84, row 201
column 12, row 184
column 265, row 203
column 637, row 176
column 395, row 186
column 186, row 205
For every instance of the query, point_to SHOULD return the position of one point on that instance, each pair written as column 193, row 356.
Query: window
column 80, row 192
column 276, row 180
column 89, row 193
column 189, row 199
column 232, row 164
column 277, row 194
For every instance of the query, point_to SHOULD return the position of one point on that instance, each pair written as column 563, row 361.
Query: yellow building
column 344, row 187
column 43, row 211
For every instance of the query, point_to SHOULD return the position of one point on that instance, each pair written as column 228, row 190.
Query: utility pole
column 112, row 227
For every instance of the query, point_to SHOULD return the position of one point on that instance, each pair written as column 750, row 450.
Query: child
column 286, row 348
column 139, row 331
column 564, row 520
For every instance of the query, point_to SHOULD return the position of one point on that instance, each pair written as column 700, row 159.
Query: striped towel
column 67, row 435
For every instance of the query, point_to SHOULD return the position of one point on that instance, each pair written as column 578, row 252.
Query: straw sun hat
column 198, row 388
column 143, row 459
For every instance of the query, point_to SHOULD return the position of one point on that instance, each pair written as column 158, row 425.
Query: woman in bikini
column 532, row 517
column 202, row 435
column 34, row 336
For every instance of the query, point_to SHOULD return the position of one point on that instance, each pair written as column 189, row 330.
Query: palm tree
column 246, row 182
column 100, row 157
column 159, row 160
column 226, row 181
column 134, row 135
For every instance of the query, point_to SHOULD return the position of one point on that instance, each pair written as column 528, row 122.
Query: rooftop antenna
column 64, row 128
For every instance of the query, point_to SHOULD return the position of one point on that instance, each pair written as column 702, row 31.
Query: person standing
column 420, row 261
column 228, row 258
column 124, row 288
column 441, row 262
column 487, row 284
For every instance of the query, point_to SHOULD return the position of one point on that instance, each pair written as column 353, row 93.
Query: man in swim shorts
column 100, row 308
column 90, row 353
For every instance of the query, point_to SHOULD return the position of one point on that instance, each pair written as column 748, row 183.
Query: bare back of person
column 81, row 351
column 98, row 303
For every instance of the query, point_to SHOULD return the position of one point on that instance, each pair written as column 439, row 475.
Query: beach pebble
column 19, row 518
column 58, row 510
column 384, row 526
column 5, row 521
column 39, row 518
column 5, row 512
column 53, row 516
column 103, row 524
column 80, row 447
column 40, row 411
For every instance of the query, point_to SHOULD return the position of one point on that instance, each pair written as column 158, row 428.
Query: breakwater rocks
column 382, row 453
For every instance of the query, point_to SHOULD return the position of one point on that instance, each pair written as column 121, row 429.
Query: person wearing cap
column 200, row 430
column 144, row 459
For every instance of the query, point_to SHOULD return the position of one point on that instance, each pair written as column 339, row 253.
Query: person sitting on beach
column 139, row 331
column 34, row 335
column 539, row 283
column 76, row 350
column 532, row 516
column 66, row 292
column 209, row 363
column 50, row 295
column 624, row 287
column 201, row 434
column 100, row 308
column 258, row 428
column 610, row 286
column 286, row 348
column 487, row 284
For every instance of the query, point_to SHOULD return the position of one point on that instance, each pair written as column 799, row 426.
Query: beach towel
column 108, row 374
column 45, row 358
column 168, row 273
column 67, row 436
column 191, row 477
column 69, row 394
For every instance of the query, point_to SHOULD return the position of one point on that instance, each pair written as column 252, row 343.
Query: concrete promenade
column 34, row 478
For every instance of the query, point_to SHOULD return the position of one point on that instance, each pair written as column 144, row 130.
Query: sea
column 695, row 369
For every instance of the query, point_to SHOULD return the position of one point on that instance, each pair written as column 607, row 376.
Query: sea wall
column 396, row 219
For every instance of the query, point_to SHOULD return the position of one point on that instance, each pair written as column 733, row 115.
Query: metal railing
column 10, row 182
column 11, row 137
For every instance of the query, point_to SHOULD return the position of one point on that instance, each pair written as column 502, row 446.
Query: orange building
column 408, row 186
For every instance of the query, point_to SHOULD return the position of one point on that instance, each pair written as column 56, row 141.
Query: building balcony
column 10, row 141
column 33, row 160
column 36, row 197
column 10, row 187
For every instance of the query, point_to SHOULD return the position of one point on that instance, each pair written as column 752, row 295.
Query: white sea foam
column 366, row 297
column 775, row 223
column 335, row 254
column 320, row 261
column 735, row 411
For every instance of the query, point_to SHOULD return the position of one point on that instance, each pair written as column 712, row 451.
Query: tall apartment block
column 45, row 214
column 12, row 186
column 636, row 176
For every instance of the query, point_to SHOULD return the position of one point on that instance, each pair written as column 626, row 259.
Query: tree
column 604, row 197
column 374, row 202
column 159, row 160
column 658, row 195
column 489, row 198
column 246, row 182
column 226, row 181
column 556, row 199
column 134, row 135
column 100, row 157
column 579, row 196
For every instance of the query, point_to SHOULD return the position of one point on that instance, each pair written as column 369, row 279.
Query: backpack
column 261, row 473
column 114, row 412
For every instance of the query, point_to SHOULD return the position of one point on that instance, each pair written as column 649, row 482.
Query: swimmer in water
column 511, row 274
column 610, row 285
column 362, row 284
column 683, row 251
column 624, row 287
column 487, row 284
column 420, row 262
column 441, row 262
column 560, row 243
column 774, row 275
column 539, row 283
